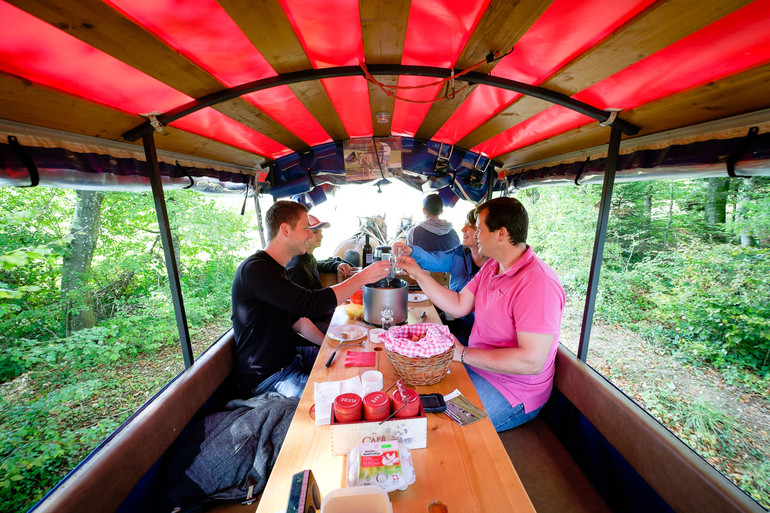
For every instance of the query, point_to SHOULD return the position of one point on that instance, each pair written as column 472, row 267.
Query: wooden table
column 467, row 468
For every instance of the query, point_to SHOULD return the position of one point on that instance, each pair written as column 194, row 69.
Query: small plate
column 417, row 298
column 348, row 333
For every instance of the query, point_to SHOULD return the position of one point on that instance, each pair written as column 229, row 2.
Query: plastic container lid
column 347, row 403
column 356, row 499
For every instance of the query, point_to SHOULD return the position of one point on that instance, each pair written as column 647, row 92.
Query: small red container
column 347, row 408
column 412, row 408
column 376, row 406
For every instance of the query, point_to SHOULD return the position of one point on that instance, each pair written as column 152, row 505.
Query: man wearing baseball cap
column 271, row 314
column 303, row 269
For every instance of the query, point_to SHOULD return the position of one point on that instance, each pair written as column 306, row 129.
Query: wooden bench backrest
column 681, row 477
column 107, row 477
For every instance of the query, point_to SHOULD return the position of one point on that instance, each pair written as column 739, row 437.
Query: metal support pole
column 168, row 248
column 258, row 211
column 491, row 181
column 601, row 235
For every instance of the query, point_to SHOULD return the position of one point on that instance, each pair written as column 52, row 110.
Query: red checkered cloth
column 437, row 339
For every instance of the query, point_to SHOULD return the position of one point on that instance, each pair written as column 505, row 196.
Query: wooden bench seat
column 671, row 476
column 553, row 480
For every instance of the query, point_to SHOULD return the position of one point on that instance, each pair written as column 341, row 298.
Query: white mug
column 372, row 381
column 374, row 335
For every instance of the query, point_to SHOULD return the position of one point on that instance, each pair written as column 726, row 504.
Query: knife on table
column 331, row 358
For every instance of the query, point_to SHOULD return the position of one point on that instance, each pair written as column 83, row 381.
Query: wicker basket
column 421, row 371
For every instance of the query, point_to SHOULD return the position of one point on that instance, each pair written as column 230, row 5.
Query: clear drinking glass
column 397, row 252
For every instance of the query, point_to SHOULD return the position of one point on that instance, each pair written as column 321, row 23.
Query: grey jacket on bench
column 228, row 455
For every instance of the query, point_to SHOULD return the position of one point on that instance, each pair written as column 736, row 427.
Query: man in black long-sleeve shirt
column 270, row 312
column 303, row 269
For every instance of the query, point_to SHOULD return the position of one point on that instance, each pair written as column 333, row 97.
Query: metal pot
column 390, row 293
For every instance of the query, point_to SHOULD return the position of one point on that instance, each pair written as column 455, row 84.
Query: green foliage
column 715, row 304
column 46, row 436
column 561, row 230
column 702, row 425
column 69, row 393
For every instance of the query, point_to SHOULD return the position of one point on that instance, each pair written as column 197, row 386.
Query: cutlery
column 334, row 353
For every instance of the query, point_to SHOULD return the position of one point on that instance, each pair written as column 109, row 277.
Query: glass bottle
column 366, row 253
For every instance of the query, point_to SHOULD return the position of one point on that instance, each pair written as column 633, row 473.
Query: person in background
column 303, row 269
column 519, row 303
column 270, row 313
column 461, row 262
column 433, row 234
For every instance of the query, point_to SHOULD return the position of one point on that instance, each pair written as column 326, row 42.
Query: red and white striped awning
column 95, row 67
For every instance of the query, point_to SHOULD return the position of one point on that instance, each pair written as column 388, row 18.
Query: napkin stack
column 326, row 392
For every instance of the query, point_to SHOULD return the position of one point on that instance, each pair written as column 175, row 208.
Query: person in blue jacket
column 461, row 262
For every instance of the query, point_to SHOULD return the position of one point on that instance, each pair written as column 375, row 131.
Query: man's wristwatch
column 462, row 356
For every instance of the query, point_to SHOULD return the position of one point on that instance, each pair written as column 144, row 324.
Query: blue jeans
column 501, row 413
column 291, row 380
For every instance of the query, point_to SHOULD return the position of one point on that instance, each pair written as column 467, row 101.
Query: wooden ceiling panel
column 96, row 23
column 180, row 141
column 244, row 112
column 313, row 96
column 738, row 94
column 267, row 27
column 104, row 28
column 494, row 32
column 654, row 29
column 25, row 102
column 661, row 25
column 383, row 28
column 517, row 112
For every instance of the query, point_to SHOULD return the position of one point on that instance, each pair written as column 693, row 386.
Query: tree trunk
column 716, row 206
column 77, row 299
column 648, row 208
column 746, row 197
column 670, row 214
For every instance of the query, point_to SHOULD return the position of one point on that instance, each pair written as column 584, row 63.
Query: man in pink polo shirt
column 518, row 302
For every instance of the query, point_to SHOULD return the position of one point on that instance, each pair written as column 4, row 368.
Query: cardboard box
column 412, row 432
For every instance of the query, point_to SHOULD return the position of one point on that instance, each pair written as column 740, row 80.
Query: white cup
column 374, row 335
column 372, row 381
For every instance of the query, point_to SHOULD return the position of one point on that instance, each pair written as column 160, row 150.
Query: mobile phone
column 433, row 403
column 304, row 495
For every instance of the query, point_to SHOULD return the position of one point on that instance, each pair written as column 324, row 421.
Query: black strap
column 740, row 148
column 183, row 171
column 245, row 197
column 34, row 176
column 516, row 180
column 580, row 171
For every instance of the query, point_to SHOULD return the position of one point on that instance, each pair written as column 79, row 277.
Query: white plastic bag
column 387, row 465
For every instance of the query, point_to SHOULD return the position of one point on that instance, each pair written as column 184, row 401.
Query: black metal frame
column 168, row 248
column 601, row 235
column 380, row 69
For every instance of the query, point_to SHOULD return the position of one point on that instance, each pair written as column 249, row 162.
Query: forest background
column 88, row 332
